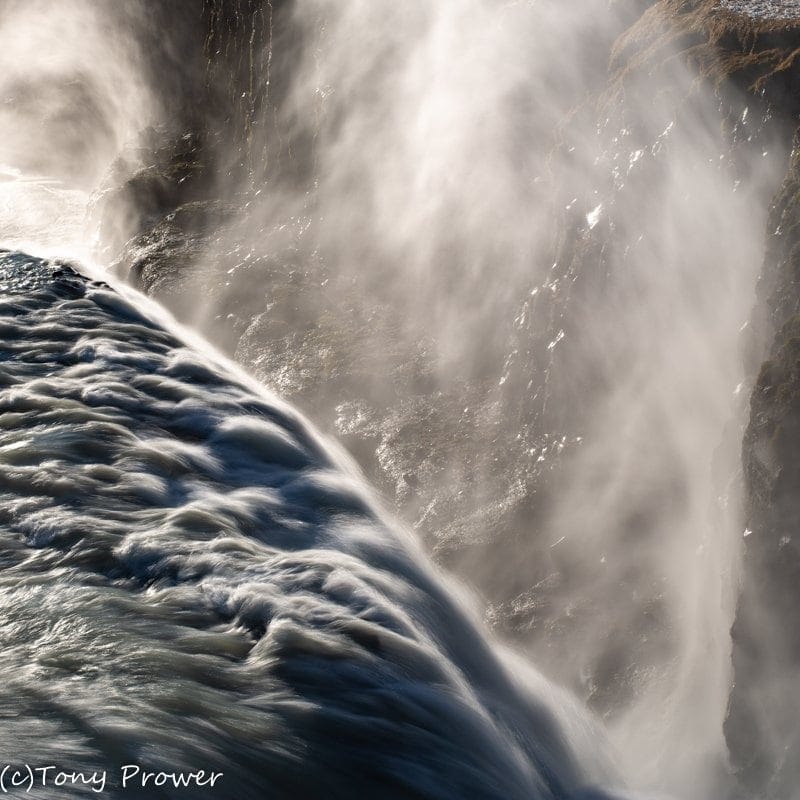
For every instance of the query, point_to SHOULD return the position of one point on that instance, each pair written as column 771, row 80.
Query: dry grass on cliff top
column 717, row 43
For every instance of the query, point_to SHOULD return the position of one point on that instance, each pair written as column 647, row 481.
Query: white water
column 250, row 561
column 192, row 579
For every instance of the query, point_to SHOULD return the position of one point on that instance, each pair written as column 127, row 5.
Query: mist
column 442, row 162
column 72, row 97
column 511, row 266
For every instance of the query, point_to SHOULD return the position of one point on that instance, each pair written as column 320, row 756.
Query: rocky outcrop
column 753, row 50
column 762, row 723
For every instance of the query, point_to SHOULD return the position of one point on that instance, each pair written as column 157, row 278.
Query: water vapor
column 445, row 162
column 509, row 264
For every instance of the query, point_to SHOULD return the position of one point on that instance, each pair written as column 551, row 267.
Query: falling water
column 193, row 579
column 514, row 277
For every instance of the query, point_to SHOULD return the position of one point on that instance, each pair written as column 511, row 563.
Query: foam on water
column 191, row 578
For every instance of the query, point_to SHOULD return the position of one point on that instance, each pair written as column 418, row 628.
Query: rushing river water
column 192, row 578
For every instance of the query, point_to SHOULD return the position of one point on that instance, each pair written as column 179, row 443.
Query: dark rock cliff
column 750, row 52
column 763, row 713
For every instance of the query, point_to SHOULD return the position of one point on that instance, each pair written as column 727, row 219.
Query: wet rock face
column 761, row 726
column 766, row 657
column 171, row 170
column 752, row 47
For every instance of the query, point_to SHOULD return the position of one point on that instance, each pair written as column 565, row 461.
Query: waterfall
column 509, row 255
